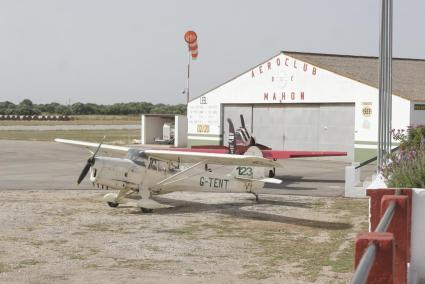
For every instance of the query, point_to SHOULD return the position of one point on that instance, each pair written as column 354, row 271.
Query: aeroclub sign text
column 282, row 73
column 286, row 62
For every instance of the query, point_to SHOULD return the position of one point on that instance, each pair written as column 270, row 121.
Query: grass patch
column 117, row 136
column 79, row 233
column 4, row 267
column 134, row 264
column 258, row 273
column 105, row 227
column 189, row 231
column 344, row 261
column 77, row 256
column 56, row 242
column 29, row 262
column 273, row 245
column 82, row 254
column 99, row 227
column 36, row 243
column 139, row 264
column 350, row 206
column 91, row 266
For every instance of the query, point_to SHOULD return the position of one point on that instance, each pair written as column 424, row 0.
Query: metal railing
column 364, row 163
column 366, row 262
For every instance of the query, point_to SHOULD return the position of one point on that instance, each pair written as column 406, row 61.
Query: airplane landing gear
column 112, row 204
column 113, row 199
column 256, row 196
column 146, row 210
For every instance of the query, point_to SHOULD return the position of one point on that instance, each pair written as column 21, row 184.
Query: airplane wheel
column 271, row 173
column 112, row 204
column 146, row 210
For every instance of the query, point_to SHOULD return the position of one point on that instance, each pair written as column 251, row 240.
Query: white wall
column 142, row 130
column 152, row 128
column 180, row 138
column 417, row 116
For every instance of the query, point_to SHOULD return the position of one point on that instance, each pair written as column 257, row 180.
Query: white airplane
column 152, row 172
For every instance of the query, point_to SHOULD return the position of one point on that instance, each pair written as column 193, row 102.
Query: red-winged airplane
column 240, row 140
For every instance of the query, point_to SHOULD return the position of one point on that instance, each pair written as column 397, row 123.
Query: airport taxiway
column 50, row 165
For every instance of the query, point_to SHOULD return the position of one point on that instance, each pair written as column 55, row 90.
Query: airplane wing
column 211, row 158
column 185, row 157
column 269, row 154
column 92, row 145
column 276, row 154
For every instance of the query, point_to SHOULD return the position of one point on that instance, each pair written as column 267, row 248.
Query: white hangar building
column 305, row 101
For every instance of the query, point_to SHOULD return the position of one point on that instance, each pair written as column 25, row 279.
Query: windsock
column 191, row 38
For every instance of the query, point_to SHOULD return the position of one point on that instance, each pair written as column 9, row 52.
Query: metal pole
column 381, row 86
column 388, row 76
column 188, row 77
column 390, row 56
column 365, row 264
column 385, row 84
column 385, row 81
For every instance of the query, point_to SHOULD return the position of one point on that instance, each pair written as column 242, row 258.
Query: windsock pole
column 188, row 77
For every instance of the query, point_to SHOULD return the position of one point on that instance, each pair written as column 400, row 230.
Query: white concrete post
column 352, row 179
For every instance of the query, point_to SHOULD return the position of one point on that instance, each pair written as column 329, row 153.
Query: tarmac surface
column 50, row 165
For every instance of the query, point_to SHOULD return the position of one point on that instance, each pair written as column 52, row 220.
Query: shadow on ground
column 288, row 180
column 235, row 209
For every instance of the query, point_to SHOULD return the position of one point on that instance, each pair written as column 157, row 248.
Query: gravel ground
column 51, row 236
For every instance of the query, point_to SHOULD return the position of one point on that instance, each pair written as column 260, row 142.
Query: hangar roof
column 408, row 74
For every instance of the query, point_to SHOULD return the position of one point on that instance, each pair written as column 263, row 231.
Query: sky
column 111, row 51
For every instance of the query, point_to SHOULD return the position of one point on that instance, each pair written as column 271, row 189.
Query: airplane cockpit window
column 163, row 166
column 137, row 156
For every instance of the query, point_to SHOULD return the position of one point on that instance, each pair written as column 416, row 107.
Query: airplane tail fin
column 244, row 135
column 242, row 121
column 232, row 137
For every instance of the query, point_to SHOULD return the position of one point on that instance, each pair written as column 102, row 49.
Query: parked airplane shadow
column 289, row 180
column 235, row 209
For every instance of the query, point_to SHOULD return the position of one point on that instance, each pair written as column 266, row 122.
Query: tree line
column 27, row 107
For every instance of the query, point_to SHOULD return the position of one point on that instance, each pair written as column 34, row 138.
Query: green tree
column 26, row 102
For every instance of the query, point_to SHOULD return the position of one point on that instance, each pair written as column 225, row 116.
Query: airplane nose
column 90, row 162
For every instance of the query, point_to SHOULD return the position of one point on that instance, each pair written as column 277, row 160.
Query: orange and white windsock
column 191, row 38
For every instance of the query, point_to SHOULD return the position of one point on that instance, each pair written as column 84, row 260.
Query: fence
column 34, row 117
column 381, row 255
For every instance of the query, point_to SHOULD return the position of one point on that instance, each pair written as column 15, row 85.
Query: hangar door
column 315, row 127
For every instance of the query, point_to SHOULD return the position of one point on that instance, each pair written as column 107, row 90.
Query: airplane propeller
column 90, row 163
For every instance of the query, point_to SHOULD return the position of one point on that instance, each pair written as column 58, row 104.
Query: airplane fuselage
column 119, row 173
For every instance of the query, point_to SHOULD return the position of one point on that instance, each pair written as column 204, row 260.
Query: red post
column 375, row 209
column 383, row 268
column 399, row 227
